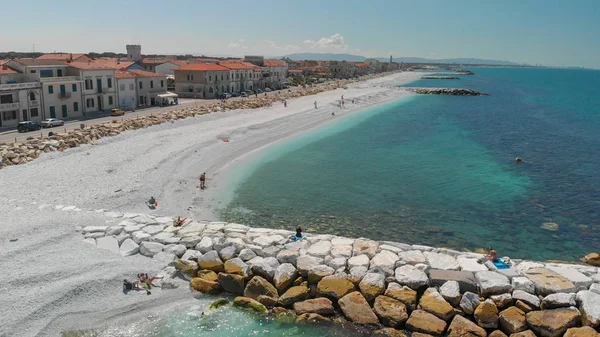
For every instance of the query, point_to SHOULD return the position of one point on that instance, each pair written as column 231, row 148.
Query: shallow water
column 440, row 170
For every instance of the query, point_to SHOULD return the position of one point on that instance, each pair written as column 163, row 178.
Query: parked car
column 52, row 122
column 268, row 90
column 259, row 91
column 225, row 95
column 249, row 92
column 117, row 112
column 28, row 126
column 235, row 94
column 244, row 94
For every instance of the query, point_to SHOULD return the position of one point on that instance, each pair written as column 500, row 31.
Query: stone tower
column 134, row 52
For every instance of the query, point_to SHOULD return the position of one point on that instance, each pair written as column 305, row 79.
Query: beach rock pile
column 389, row 287
column 446, row 91
column 440, row 78
column 28, row 150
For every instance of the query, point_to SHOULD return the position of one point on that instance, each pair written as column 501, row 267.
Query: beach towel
column 500, row 264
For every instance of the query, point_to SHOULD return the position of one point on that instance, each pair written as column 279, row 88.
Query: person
column 333, row 113
column 147, row 280
column 342, row 97
column 152, row 202
column 203, row 181
column 298, row 232
column 315, row 104
column 353, row 101
column 285, row 103
column 178, row 222
column 492, row 255
column 518, row 159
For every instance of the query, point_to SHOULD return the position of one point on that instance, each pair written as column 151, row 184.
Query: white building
column 20, row 98
column 99, row 86
column 275, row 73
column 138, row 88
column 127, row 90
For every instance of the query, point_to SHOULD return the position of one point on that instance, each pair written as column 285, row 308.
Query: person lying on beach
column 178, row 222
column 146, row 280
column 128, row 286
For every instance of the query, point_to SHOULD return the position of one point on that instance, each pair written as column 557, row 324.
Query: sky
column 548, row 32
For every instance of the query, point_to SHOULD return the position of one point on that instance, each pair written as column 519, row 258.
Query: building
column 138, row 89
column 118, row 64
column 274, row 73
column 127, row 90
column 134, row 52
column 60, row 89
column 363, row 68
column 99, row 86
column 202, row 80
column 342, row 69
column 256, row 60
column 67, row 57
column 375, row 65
column 244, row 75
column 20, row 97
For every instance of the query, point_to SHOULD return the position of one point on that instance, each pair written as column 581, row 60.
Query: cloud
column 308, row 42
column 334, row 43
column 239, row 44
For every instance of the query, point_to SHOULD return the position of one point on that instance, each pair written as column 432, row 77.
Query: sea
column 441, row 170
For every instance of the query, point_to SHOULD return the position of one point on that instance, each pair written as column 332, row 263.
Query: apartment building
column 202, row 80
column 244, row 75
column 127, row 90
column 66, row 57
column 342, row 69
column 274, row 73
column 99, row 83
column 20, row 97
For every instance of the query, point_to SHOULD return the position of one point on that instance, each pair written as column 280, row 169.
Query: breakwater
column 440, row 78
column 446, row 91
column 389, row 287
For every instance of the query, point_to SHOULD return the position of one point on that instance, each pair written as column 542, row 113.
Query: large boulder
column 140, row 237
column 261, row 290
column 285, row 274
column 250, row 304
column 344, row 251
column 236, row 266
column 151, row 248
column 548, row 282
column 502, row 301
column 532, row 300
column 469, row 302
column 108, row 243
column 335, row 286
column 305, row 263
column 356, row 308
column 593, row 259
column 589, row 305
column 287, row 256
column 205, row 286
column 560, row 300
column 486, row 315
column 188, row 268
column 129, row 247
column 435, row 304
column 391, row 312
column 581, row 281
column 205, row 245
column 462, row 327
column 526, row 333
column 337, row 263
column 412, row 257
column 365, row 246
column 450, row 291
column 211, row 261
column 492, row 283
column 227, row 253
column 512, row 320
column 372, row 285
column 470, row 264
column 357, row 273
column 316, row 273
column 384, row 260
column 293, row 295
column 466, row 279
column 553, row 322
column 497, row 333
column 322, row 306
column 266, row 267
column 358, row 261
column 245, row 254
column 523, row 283
column 389, row 332
column 584, row 331
column 312, row 318
column 319, row 249
column 422, row 321
column 403, row 294
column 441, row 261
column 411, row 276
column 232, row 283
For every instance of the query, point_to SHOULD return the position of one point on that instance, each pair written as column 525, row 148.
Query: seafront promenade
column 388, row 286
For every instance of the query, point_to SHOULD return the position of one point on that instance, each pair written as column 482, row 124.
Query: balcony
column 60, row 79
column 34, row 104
column 64, row 95
column 18, row 86
column 10, row 106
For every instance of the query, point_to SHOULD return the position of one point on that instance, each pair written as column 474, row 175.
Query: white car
column 267, row 89
column 52, row 122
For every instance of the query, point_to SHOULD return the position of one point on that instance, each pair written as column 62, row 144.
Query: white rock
column 384, row 260
column 95, row 235
column 245, row 254
column 178, row 250
column 357, row 273
column 559, row 300
column 90, row 241
column 319, row 249
column 341, row 241
column 526, row 265
column 470, row 264
column 341, row 251
column 205, row 245
column 190, row 241
column 469, row 302
column 412, row 257
column 441, row 261
column 392, row 249
column 450, row 291
column 153, row 229
column 216, row 226
column 596, row 278
column 492, row 283
column 580, row 281
column 371, row 281
column 365, row 246
column 166, row 238
column 108, row 243
column 164, row 258
column 337, row 263
column 316, row 273
column 132, row 228
column 422, row 248
column 270, row 251
column 114, row 230
column 191, row 255
column 143, row 219
column 113, row 214
column 528, row 298
column 296, row 245
column 359, row 261
column 129, row 247
column 140, row 236
column 287, row 256
column 130, row 215
column 255, row 260
column 285, row 273
column 151, row 248
column 411, row 276
column 227, row 253
column 589, row 306
column 595, row 288
column 238, row 243
column 422, row 267
column 265, row 241
column 305, row 263
column 69, row 208
column 94, row 229
column 523, row 283
column 192, row 229
column 165, row 220
column 266, row 268
column 122, row 237
column 126, row 223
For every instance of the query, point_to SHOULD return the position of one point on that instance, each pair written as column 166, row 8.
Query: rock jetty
column 440, row 78
column 446, row 91
column 465, row 72
column 30, row 149
column 392, row 288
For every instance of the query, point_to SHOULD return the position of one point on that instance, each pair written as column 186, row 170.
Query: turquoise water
column 440, row 170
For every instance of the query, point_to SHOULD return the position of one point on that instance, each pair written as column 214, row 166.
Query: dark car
column 259, row 91
column 28, row 126
column 235, row 94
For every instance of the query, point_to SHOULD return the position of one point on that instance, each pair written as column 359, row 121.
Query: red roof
column 239, row 65
column 92, row 65
column 202, row 67
column 6, row 70
column 293, row 71
column 157, row 61
column 62, row 56
column 274, row 63
column 114, row 63
column 131, row 73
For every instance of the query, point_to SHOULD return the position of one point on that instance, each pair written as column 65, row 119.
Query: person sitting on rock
column 492, row 255
column 298, row 233
column 152, row 201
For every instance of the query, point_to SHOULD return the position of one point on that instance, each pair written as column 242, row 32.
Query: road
column 12, row 135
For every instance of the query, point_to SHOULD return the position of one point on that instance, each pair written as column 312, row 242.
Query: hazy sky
column 547, row 31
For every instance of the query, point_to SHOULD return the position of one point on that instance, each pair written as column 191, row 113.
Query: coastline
column 69, row 276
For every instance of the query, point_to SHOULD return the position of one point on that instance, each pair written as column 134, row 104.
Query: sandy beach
column 52, row 280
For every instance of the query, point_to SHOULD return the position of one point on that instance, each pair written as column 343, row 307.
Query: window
column 34, row 112
column 221, row 77
column 59, row 72
column 209, row 78
column 32, row 71
column 9, row 115
column 162, row 84
column 52, row 112
column 237, row 75
column 109, row 82
column 141, row 99
column 89, row 85
column 74, row 87
column 210, row 90
column 50, row 89
column 46, row 73
column 63, row 89
column 151, row 84
column 64, row 111
column 89, row 102
column 141, row 86
column 32, row 96
column 122, row 86
column 131, row 86
column 110, row 100
column 6, row 99
column 75, row 106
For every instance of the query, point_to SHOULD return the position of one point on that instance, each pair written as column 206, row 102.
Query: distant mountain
column 358, row 58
